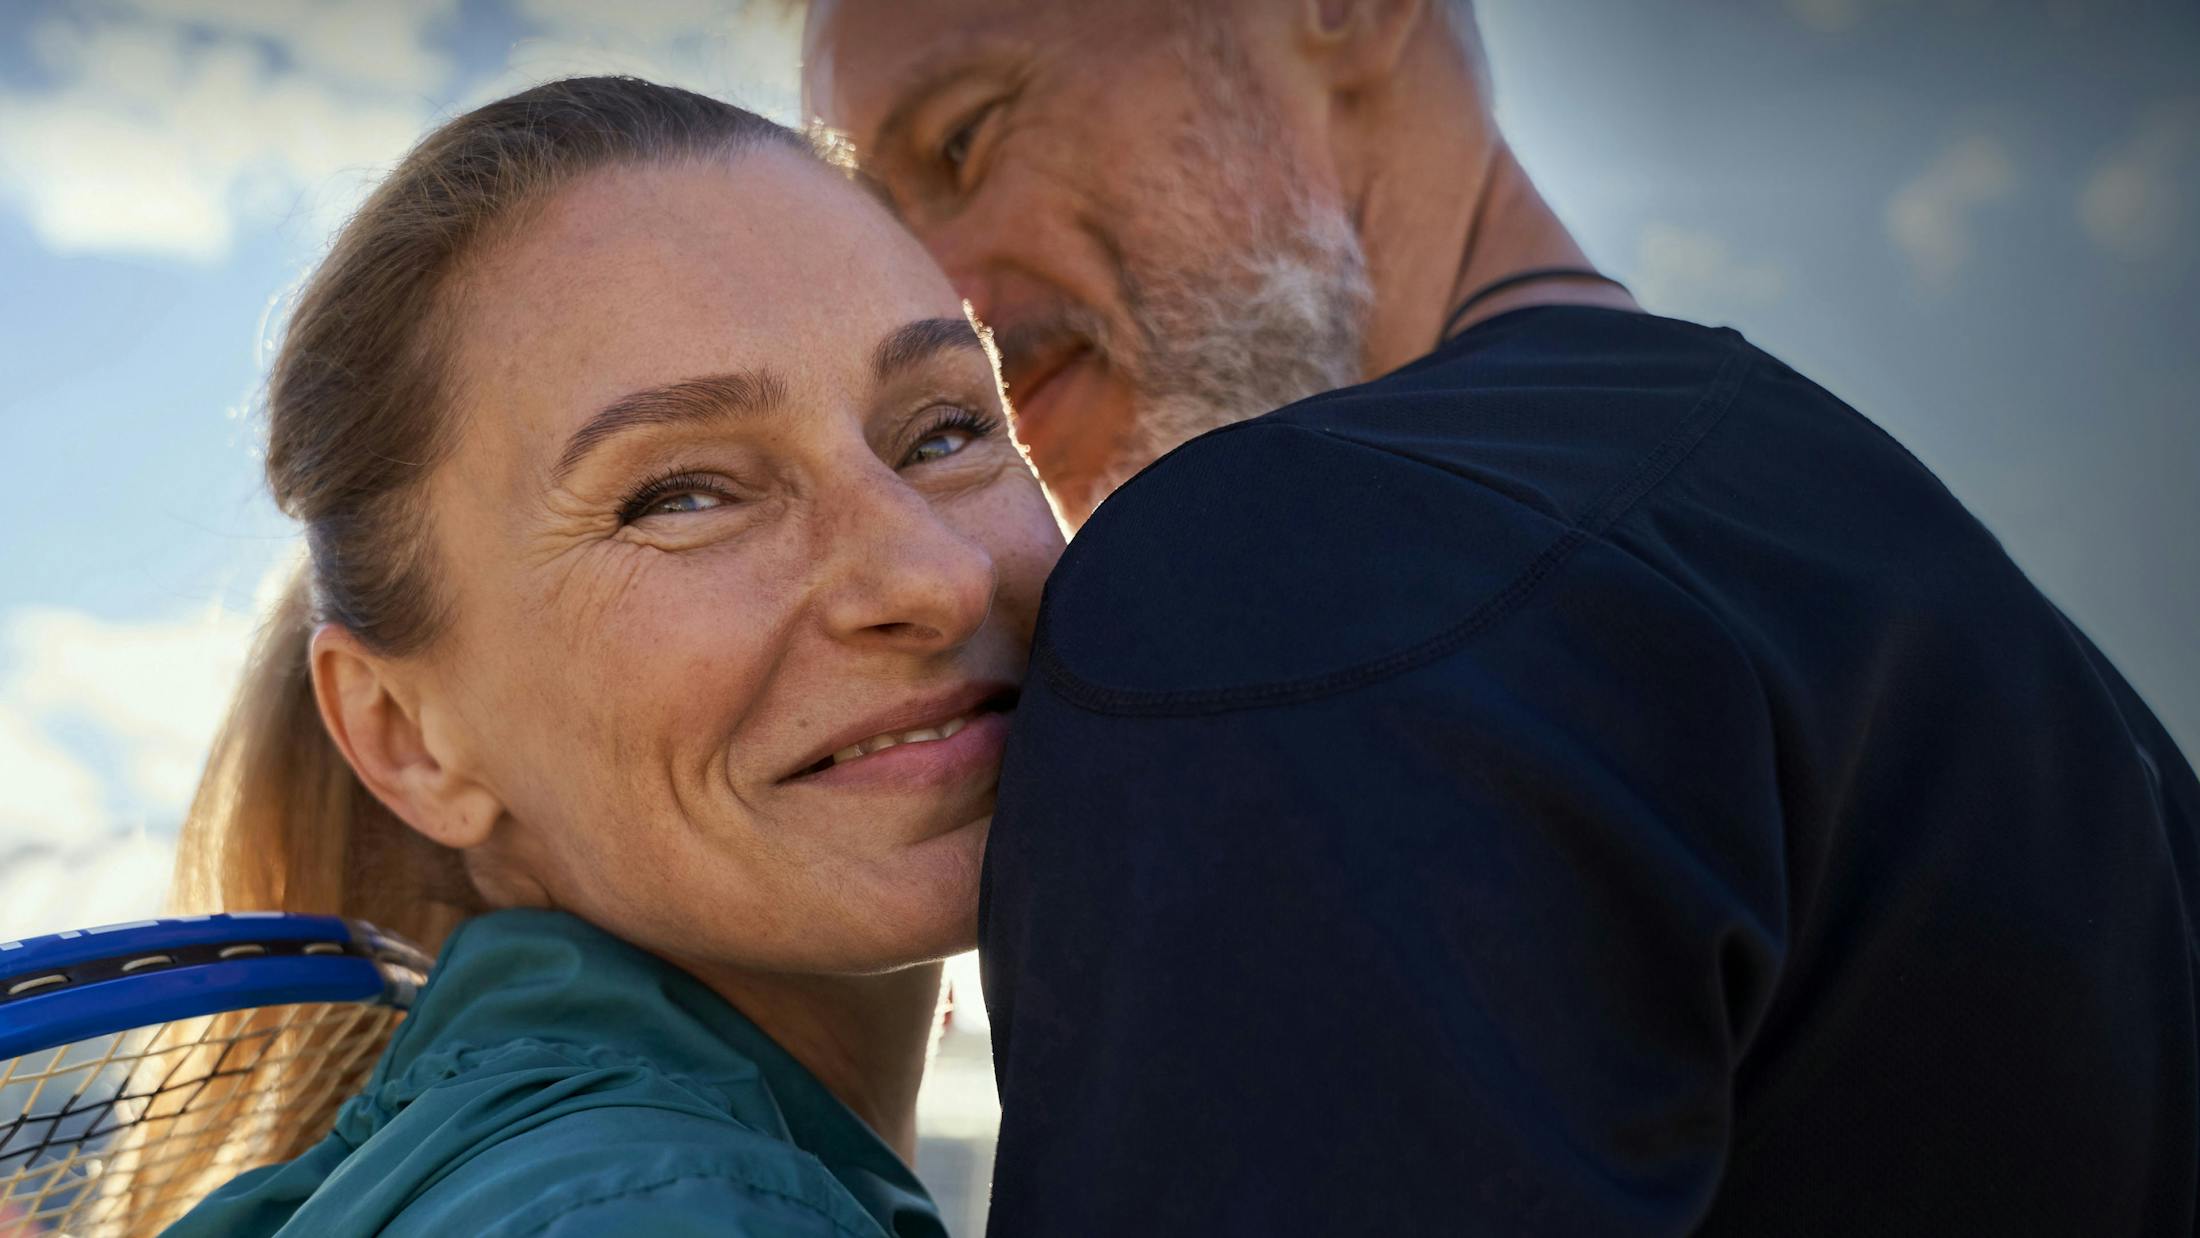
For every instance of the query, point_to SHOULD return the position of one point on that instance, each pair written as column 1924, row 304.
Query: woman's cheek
column 1026, row 545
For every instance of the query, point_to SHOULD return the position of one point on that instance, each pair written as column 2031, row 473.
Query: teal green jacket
column 555, row 1081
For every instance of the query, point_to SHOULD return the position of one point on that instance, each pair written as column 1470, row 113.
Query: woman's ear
column 377, row 719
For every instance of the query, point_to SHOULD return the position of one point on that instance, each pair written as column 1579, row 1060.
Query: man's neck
column 1444, row 210
column 1513, row 230
column 866, row 1038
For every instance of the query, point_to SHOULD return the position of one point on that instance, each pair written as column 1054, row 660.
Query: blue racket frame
column 66, row 987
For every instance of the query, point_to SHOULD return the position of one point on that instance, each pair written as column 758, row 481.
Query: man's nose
column 965, row 254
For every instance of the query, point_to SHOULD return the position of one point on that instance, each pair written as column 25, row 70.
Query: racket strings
column 120, row 1134
column 192, row 1147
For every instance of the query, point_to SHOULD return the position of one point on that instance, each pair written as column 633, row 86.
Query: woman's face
column 731, row 511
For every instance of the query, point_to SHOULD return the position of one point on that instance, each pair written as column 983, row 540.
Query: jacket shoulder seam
column 1598, row 517
column 648, row 1185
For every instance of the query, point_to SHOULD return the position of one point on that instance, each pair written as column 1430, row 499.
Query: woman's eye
column 673, row 496
column 684, row 501
column 940, row 444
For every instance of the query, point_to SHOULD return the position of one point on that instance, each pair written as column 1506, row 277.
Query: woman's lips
column 971, row 752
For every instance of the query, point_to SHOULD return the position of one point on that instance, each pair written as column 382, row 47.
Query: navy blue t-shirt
column 1590, row 781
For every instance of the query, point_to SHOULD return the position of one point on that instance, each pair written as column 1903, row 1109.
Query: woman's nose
column 900, row 573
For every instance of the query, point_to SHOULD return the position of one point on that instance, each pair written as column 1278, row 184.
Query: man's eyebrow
column 914, row 343
column 709, row 398
column 918, row 87
column 1004, row 59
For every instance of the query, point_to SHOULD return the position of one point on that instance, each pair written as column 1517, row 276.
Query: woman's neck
column 866, row 1038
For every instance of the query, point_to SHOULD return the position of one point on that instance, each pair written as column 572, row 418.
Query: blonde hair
column 358, row 417
column 280, row 822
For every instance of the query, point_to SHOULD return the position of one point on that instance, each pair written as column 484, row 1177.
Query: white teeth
column 880, row 743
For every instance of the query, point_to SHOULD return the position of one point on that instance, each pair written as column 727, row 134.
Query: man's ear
column 384, row 728
column 1359, row 42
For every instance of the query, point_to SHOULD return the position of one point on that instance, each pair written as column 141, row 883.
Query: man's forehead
column 858, row 56
column 864, row 58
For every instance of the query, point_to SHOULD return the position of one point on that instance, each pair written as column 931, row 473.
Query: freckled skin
column 636, row 693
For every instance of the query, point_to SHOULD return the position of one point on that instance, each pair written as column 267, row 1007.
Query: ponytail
column 280, row 822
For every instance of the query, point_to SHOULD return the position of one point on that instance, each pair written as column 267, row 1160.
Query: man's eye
column 957, row 148
column 955, row 151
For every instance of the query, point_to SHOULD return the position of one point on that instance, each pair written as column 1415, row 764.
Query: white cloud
column 169, row 122
column 2140, row 201
column 155, row 690
column 103, row 729
column 745, row 52
column 1929, row 218
column 1690, row 273
column 51, row 796
column 373, row 43
column 653, row 22
column 170, row 126
column 141, row 701
column 98, row 880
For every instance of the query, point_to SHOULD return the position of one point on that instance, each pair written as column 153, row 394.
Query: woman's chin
column 930, row 910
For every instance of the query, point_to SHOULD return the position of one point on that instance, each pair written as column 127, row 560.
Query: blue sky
column 1973, row 219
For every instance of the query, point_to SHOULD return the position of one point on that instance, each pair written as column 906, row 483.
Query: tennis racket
column 144, row 1064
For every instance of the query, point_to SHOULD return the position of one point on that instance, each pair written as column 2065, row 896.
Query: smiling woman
column 672, row 576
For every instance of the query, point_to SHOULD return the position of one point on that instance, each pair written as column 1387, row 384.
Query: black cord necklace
column 1491, row 289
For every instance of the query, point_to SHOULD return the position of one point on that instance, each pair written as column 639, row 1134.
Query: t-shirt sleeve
column 1449, row 908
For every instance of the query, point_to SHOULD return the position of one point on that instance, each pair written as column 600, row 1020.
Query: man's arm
column 1467, row 941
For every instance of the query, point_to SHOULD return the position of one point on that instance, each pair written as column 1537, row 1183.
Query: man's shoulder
column 1362, row 524
column 1607, row 385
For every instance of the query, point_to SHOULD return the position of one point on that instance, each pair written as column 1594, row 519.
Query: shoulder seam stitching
column 1600, row 515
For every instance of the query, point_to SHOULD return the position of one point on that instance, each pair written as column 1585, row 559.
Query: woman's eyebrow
column 748, row 392
column 914, row 343
column 709, row 398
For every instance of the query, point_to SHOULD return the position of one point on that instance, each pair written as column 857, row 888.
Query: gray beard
column 1274, row 322
column 1273, row 302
